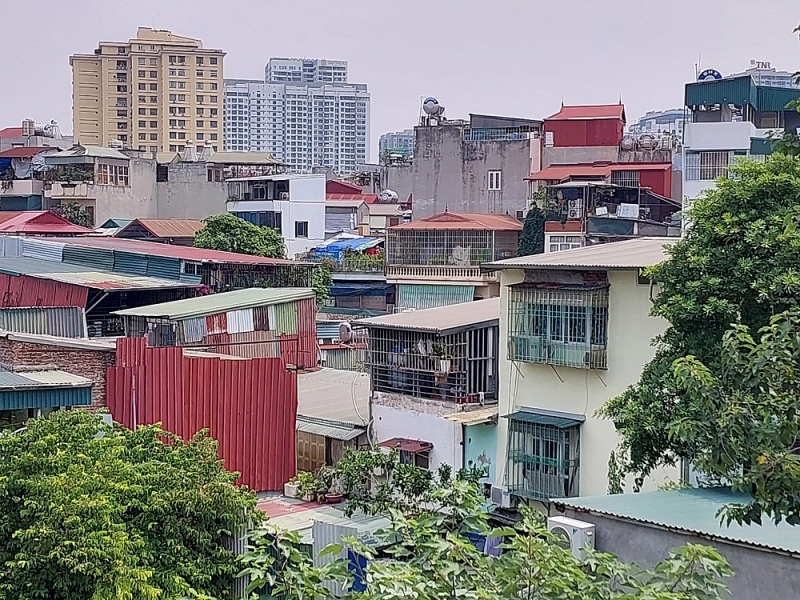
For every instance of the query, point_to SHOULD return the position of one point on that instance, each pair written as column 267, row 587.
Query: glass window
column 301, row 229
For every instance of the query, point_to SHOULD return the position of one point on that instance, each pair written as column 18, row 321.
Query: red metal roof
column 594, row 111
column 448, row 220
column 334, row 186
column 182, row 252
column 24, row 151
column 564, row 172
column 41, row 222
column 167, row 228
column 407, row 445
column 368, row 198
column 11, row 132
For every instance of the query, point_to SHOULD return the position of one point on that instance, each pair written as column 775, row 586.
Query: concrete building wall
column 188, row 194
column 572, row 155
column 758, row 573
column 450, row 173
column 395, row 415
column 582, row 391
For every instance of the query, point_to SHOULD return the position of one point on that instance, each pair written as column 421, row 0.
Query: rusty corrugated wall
column 249, row 406
column 22, row 290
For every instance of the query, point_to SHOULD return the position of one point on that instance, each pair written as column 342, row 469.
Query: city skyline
column 454, row 53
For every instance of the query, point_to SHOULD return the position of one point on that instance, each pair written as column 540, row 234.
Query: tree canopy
column 531, row 241
column 91, row 512
column 232, row 234
column 74, row 213
column 737, row 263
column 427, row 553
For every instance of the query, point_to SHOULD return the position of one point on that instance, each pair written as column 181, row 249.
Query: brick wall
column 92, row 364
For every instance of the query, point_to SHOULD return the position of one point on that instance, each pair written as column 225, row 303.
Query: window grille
column 625, row 178
column 543, row 460
column 459, row 248
column 563, row 327
column 459, row 368
column 707, row 166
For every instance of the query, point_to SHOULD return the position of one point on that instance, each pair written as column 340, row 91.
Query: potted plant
column 291, row 489
column 443, row 358
column 307, row 486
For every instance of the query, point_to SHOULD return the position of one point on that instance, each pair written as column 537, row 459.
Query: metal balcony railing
column 437, row 272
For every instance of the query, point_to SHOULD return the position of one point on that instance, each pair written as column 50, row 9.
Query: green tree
column 737, row 263
column 754, row 399
column 531, row 241
column 232, row 234
column 74, row 213
column 429, row 557
column 91, row 512
column 788, row 142
column 322, row 281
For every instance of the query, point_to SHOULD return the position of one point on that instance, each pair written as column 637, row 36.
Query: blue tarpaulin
column 337, row 249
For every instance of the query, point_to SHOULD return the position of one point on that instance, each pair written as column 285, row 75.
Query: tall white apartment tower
column 305, row 113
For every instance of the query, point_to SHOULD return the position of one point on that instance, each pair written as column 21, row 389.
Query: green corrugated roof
column 692, row 511
column 212, row 304
column 739, row 91
column 775, row 98
column 547, row 417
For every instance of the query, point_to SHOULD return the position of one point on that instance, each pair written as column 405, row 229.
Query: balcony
column 438, row 272
column 559, row 327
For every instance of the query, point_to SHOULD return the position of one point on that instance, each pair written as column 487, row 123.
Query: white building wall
column 410, row 419
column 583, row 391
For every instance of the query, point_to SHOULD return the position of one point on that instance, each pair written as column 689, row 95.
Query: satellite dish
column 345, row 332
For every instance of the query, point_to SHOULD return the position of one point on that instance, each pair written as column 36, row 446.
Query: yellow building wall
column 582, row 391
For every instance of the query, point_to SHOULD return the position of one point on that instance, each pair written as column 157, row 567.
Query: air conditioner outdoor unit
column 577, row 536
column 501, row 497
column 284, row 196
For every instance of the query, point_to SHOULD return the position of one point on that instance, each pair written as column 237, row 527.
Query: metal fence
column 460, row 368
column 563, row 327
column 455, row 247
column 543, row 460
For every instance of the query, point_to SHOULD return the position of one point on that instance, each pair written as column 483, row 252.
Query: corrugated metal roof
column 693, row 511
column 627, row 254
column 474, row 417
column 441, row 319
column 740, row 91
column 38, row 222
column 169, row 250
column 334, row 395
column 586, row 112
column 219, row 303
column 385, row 210
column 166, row 228
column 24, row 151
column 460, row 221
column 85, row 276
column 330, row 429
column 40, row 380
column 244, row 158
column 61, row 321
column 562, row 172
column 98, row 344
column 91, row 151
column 422, row 296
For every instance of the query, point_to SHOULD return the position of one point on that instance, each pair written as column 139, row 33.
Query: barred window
column 707, row 166
column 558, row 326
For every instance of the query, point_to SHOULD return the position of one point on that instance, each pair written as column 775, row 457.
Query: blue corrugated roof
column 43, row 389
column 693, row 511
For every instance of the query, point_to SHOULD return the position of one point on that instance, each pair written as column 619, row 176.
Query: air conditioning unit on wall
column 575, row 535
column 501, row 497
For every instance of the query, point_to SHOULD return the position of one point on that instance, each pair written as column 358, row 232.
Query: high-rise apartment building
column 397, row 141
column 305, row 70
column 306, row 116
column 154, row 92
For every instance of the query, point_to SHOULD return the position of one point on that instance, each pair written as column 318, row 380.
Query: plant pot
column 444, row 365
column 290, row 490
column 309, row 497
column 333, row 498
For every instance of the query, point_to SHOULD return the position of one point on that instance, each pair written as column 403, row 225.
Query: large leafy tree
column 531, row 241
column 232, row 234
column 753, row 400
column 737, row 263
column 74, row 213
column 91, row 512
column 430, row 557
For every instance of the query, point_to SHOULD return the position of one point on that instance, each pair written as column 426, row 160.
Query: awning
column 474, row 417
column 413, row 446
column 555, row 418
column 330, row 429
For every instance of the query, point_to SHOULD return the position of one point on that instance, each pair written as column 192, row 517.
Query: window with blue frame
column 263, row 218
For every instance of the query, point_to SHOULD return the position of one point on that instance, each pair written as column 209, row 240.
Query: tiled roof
column 628, row 254
column 368, row 198
column 595, row 111
column 167, row 228
column 448, row 220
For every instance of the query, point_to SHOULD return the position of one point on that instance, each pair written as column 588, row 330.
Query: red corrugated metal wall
column 660, row 181
column 248, row 406
column 21, row 290
column 593, row 132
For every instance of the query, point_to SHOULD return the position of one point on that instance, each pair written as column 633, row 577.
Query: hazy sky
column 509, row 57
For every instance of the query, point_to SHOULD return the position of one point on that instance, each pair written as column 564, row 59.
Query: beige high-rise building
column 153, row 93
